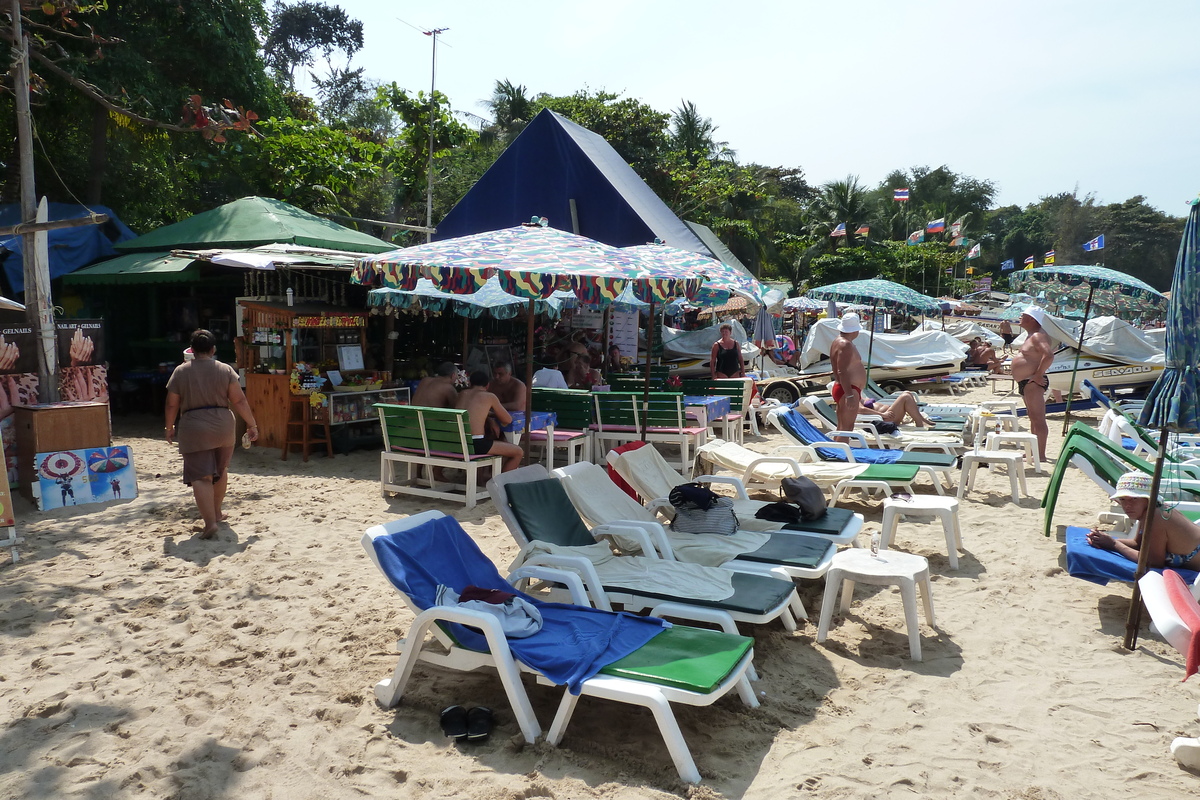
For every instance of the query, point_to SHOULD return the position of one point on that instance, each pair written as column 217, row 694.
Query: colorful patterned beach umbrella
column 1111, row 292
column 879, row 293
column 490, row 300
column 1174, row 402
column 722, row 280
column 529, row 261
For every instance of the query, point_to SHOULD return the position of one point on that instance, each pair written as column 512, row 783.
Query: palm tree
column 511, row 108
column 692, row 135
column 846, row 202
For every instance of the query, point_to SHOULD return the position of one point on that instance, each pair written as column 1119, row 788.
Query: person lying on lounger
column 1179, row 547
column 904, row 405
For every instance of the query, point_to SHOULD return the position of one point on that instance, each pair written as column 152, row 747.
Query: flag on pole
column 863, row 230
column 937, row 226
column 840, row 230
column 1030, row 262
column 970, row 270
column 973, row 252
column 1005, row 266
column 916, row 237
column 956, row 228
column 960, row 241
column 1094, row 244
column 949, row 270
column 1049, row 257
column 900, row 195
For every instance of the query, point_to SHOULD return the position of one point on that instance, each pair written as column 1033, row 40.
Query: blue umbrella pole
column 1087, row 311
column 1133, row 620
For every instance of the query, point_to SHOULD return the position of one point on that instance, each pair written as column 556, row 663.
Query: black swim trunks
column 483, row 444
column 1008, row 338
column 1043, row 386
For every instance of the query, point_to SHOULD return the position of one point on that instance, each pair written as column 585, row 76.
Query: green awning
column 253, row 221
column 135, row 268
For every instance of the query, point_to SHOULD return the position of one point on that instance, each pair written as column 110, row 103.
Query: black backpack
column 806, row 494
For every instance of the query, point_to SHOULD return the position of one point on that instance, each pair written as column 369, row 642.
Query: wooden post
column 37, row 305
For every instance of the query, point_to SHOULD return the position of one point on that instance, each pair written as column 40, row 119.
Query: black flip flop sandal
column 454, row 722
column 479, row 723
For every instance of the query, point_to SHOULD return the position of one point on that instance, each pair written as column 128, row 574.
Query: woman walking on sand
column 200, row 394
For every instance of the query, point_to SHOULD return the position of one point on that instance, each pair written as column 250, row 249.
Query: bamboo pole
column 1133, row 619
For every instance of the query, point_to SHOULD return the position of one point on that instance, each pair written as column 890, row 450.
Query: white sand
column 137, row 660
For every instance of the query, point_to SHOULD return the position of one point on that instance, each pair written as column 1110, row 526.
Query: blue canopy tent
column 573, row 177
column 69, row 248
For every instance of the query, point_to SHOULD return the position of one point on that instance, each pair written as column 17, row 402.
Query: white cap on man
column 849, row 323
column 1035, row 313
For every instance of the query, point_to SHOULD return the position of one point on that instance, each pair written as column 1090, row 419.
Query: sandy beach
column 140, row 661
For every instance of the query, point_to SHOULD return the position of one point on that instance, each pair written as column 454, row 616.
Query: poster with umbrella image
column 92, row 475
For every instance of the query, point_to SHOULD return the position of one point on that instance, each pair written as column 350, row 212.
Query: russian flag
column 1094, row 244
column 900, row 195
column 840, row 230
column 937, row 226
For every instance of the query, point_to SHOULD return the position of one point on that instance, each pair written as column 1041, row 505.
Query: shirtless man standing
column 437, row 391
column 480, row 404
column 849, row 374
column 510, row 390
column 1029, row 367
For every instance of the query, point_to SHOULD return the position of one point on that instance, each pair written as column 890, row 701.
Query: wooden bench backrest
column 573, row 407
column 665, row 409
column 431, row 430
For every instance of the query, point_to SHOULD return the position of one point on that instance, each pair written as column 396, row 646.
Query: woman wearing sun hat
column 1179, row 548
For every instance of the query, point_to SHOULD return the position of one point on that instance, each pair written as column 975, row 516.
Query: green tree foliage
column 302, row 31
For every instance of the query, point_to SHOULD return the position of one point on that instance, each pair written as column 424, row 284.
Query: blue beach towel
column 574, row 643
column 1100, row 566
column 798, row 426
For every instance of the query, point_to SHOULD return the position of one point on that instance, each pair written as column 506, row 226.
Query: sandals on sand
column 475, row 725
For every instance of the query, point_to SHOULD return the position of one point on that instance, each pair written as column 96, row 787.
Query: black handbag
column 805, row 494
column 698, row 509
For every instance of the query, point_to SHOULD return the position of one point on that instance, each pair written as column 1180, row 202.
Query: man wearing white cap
column 849, row 374
column 1029, row 367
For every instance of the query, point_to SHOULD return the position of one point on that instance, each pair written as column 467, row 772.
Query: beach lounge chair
column 1120, row 426
column 1105, row 462
column 599, row 501
column 540, row 517
column 1176, row 616
column 908, row 438
column 595, row 653
column 1100, row 566
column 958, row 410
column 653, row 479
column 765, row 472
column 797, row 428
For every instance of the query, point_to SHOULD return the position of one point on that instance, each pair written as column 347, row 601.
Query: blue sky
column 1039, row 97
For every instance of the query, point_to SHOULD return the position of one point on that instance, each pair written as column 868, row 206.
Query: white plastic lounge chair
column 599, row 501
column 653, row 675
column 1177, row 619
column 908, row 438
column 651, row 477
column 541, row 519
column 766, row 472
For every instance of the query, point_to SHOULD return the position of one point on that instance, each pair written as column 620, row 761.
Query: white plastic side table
column 890, row 568
column 1027, row 441
column 944, row 508
column 1013, row 460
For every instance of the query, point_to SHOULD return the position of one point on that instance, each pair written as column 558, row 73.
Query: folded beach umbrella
column 1174, row 402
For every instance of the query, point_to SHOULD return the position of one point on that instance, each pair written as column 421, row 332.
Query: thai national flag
column 840, row 230
column 937, row 226
column 1049, row 257
column 900, row 195
column 1029, row 262
column 1094, row 244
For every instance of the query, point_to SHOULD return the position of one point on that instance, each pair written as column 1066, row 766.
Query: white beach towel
column 599, row 501
column 734, row 457
column 638, row 573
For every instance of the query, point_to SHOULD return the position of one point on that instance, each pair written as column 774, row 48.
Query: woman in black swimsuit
column 726, row 358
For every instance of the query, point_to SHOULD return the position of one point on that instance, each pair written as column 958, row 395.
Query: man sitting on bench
column 480, row 405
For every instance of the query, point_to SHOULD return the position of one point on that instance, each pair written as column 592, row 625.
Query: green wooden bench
column 573, row 430
column 418, row 436
column 620, row 417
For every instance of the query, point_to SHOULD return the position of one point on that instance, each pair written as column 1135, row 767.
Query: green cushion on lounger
column 545, row 513
column 927, row 459
column 791, row 550
column 833, row 523
column 893, row 473
column 693, row 659
column 752, row 594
